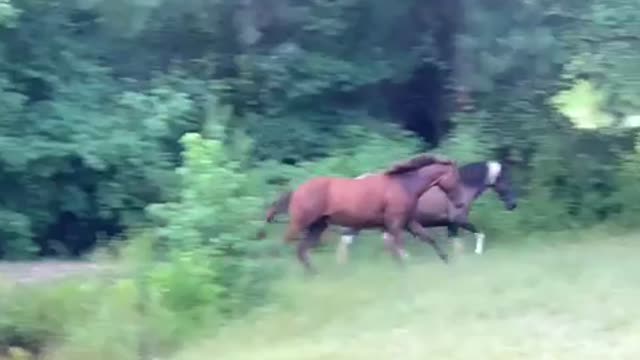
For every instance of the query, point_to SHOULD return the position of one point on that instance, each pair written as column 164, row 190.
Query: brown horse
column 433, row 208
column 383, row 201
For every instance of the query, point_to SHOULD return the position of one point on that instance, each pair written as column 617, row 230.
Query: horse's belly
column 433, row 206
column 344, row 217
column 357, row 214
column 356, row 206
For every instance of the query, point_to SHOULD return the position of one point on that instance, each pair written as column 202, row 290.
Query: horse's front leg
column 452, row 233
column 479, row 236
column 342, row 252
column 462, row 221
column 394, row 243
column 388, row 238
column 421, row 233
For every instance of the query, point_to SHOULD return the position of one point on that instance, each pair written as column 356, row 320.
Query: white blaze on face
column 493, row 171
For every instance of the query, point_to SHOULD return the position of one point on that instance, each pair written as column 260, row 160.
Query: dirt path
column 44, row 271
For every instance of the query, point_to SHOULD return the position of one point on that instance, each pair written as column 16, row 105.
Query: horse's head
column 499, row 175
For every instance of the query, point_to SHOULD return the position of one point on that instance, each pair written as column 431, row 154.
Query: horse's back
column 356, row 201
column 366, row 188
column 334, row 188
column 343, row 201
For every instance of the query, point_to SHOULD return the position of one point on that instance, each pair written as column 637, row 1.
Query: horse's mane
column 415, row 163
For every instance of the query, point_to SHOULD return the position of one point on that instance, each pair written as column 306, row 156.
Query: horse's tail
column 277, row 207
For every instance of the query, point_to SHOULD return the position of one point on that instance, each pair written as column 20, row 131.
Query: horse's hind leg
column 421, row 233
column 311, row 238
column 293, row 234
column 342, row 252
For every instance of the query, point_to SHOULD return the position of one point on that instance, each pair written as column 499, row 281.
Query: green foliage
column 35, row 316
column 210, row 229
column 469, row 142
column 135, row 302
column 582, row 104
column 626, row 195
column 93, row 317
column 99, row 155
column 367, row 152
column 311, row 82
column 8, row 13
column 93, row 113
column 179, row 117
column 17, row 233
column 392, row 311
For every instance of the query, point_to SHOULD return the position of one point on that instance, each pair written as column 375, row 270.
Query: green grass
column 562, row 296
column 558, row 297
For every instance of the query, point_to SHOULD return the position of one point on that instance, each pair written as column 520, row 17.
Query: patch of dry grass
column 570, row 300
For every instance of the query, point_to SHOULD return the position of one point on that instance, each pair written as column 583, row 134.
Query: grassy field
column 565, row 297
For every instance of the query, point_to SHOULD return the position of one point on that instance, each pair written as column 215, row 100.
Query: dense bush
column 197, row 264
column 93, row 112
column 209, row 232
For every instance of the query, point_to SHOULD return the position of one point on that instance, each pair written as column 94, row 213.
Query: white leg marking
column 347, row 239
column 479, row 243
column 343, row 248
column 387, row 238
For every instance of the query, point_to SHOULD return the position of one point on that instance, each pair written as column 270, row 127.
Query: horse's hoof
column 445, row 258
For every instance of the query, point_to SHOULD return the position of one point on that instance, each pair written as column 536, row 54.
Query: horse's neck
column 469, row 194
column 415, row 184
column 474, row 191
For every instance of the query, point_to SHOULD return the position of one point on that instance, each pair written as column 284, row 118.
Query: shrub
column 209, row 231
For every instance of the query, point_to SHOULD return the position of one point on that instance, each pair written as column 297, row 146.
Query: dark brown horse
column 383, row 201
column 434, row 210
